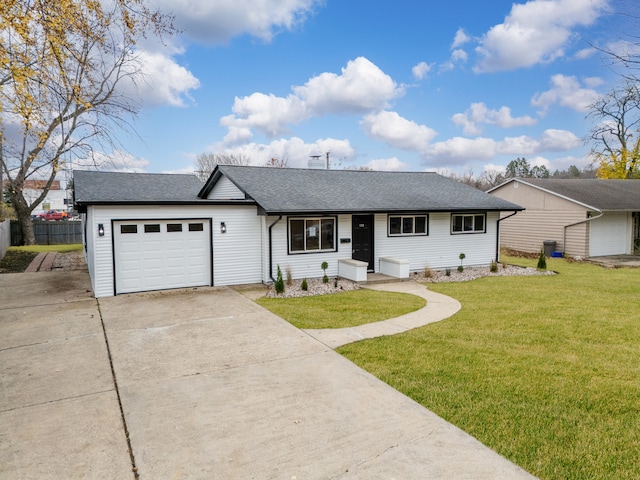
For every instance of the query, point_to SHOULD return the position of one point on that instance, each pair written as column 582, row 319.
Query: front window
column 308, row 235
column 468, row 223
column 404, row 225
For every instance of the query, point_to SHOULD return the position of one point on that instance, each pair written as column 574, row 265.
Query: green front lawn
column 72, row 247
column 17, row 259
column 345, row 309
column 545, row 370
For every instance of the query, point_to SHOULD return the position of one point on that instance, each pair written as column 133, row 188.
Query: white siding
column 225, row 189
column 88, row 231
column 611, row 234
column 440, row 249
column 236, row 253
column 305, row 264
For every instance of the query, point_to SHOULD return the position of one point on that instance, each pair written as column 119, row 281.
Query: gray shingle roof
column 289, row 190
column 601, row 194
column 93, row 187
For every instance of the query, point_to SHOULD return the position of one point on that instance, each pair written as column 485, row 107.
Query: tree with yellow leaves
column 62, row 64
column 621, row 164
column 615, row 142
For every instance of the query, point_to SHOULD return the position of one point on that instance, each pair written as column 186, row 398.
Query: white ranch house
column 159, row 231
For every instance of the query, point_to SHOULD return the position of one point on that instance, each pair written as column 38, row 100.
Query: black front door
column 362, row 239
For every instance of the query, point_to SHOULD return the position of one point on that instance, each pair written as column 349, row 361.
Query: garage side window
column 468, row 223
column 311, row 235
column 128, row 228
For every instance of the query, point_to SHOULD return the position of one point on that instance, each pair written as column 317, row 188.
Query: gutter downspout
column 498, row 234
column 271, row 249
column 564, row 230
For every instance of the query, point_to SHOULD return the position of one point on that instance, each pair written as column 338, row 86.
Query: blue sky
column 460, row 86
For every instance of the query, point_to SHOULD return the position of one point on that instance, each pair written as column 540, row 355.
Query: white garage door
column 610, row 235
column 160, row 254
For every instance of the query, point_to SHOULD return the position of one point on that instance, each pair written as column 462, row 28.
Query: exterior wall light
column 101, row 230
column 223, row 227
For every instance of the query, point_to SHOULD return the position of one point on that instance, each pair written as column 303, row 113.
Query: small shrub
column 279, row 285
column 494, row 267
column 304, row 286
column 542, row 261
column 447, row 272
column 460, row 268
column 324, row 267
column 289, row 275
column 335, row 283
column 428, row 273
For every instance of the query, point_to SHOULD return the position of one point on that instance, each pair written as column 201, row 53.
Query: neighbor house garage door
column 610, row 235
column 160, row 254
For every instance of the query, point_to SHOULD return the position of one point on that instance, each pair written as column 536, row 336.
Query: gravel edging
column 316, row 287
column 473, row 273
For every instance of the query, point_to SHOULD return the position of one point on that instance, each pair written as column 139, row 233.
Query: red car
column 53, row 215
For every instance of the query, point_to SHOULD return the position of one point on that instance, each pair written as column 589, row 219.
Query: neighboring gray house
column 156, row 231
column 585, row 217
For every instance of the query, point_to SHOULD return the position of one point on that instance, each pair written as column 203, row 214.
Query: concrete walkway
column 438, row 308
column 200, row 383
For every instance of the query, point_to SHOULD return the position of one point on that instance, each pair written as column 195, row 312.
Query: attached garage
column 161, row 254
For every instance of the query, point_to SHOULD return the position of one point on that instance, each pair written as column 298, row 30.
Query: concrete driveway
column 206, row 385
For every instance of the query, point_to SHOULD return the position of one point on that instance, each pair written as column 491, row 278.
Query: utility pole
column 328, row 160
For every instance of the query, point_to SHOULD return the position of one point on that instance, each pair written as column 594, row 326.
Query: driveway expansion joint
column 132, row 458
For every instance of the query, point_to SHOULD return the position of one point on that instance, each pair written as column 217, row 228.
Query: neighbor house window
column 308, row 235
column 468, row 223
column 406, row 225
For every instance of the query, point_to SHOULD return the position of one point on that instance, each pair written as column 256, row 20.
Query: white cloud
column 460, row 39
column 388, row 164
column 458, row 55
column 397, row 131
column 492, row 167
column 294, row 150
column 478, row 113
column 266, row 113
column 535, row 32
column 421, row 70
column 585, row 53
column 567, row 92
column 116, row 161
column 458, row 150
column 217, row 22
column 163, row 81
column 361, row 87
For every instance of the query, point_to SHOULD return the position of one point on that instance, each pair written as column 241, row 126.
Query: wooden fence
column 50, row 233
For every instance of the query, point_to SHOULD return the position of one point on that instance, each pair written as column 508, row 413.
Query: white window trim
column 467, row 232
column 306, row 219
column 413, row 234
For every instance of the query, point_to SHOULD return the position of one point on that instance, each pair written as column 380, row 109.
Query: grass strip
column 344, row 309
